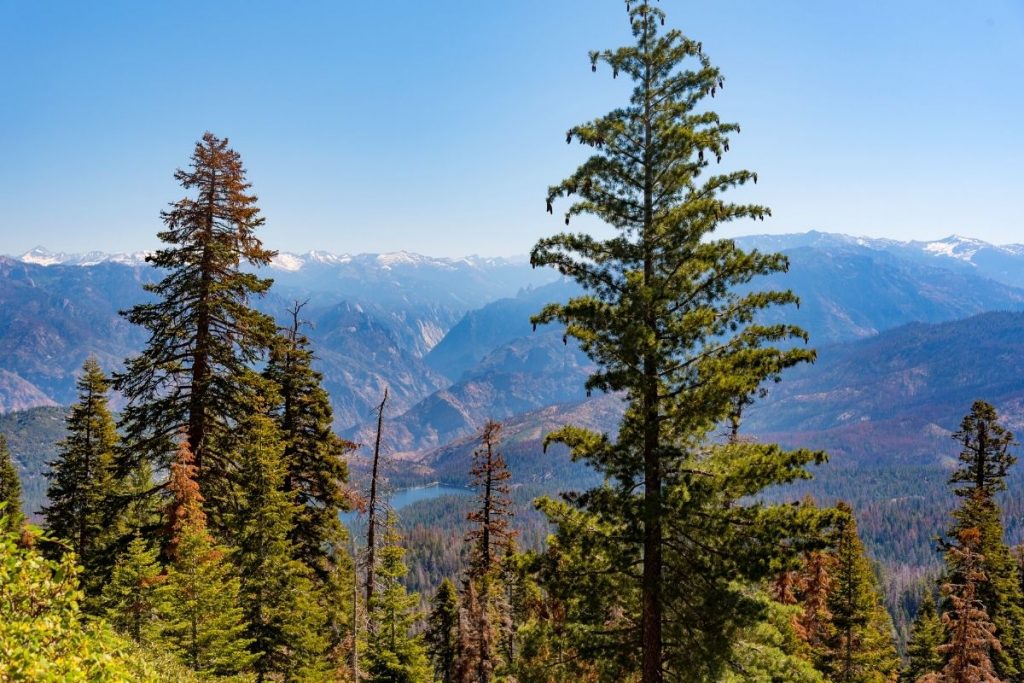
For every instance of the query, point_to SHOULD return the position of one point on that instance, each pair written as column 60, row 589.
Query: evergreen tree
column 203, row 334
column 984, row 463
column 489, row 475
column 278, row 597
column 393, row 653
column 201, row 621
column 928, row 634
column 487, row 538
column 442, row 632
column 861, row 647
column 984, row 457
column 971, row 634
column 10, row 489
column 813, row 586
column 664, row 321
column 83, row 488
column 130, row 599
column 315, row 471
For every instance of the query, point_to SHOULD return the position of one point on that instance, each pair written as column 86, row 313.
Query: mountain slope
column 499, row 322
column 525, row 374
column 919, row 372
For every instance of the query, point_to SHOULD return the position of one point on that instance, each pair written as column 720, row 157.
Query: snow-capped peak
column 41, row 256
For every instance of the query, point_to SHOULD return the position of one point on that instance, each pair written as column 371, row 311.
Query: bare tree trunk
column 371, row 522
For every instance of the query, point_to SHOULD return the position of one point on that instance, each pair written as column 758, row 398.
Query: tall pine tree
column 203, row 334
column 83, row 489
column 985, row 460
column 665, row 322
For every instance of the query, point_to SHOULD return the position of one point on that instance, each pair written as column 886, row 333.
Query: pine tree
column 10, row 489
column 278, row 596
column 861, row 644
column 984, row 463
column 442, row 632
column 203, row 334
column 927, row 635
column 664, row 322
column 315, row 471
column 201, row 621
column 83, row 489
column 487, row 538
column 971, row 634
column 129, row 601
column 985, row 459
column 393, row 653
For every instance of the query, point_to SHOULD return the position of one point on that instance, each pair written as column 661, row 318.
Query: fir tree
column 972, row 637
column 442, row 632
column 861, row 645
column 315, row 470
column 663, row 320
column 927, row 635
column 201, row 621
column 203, row 334
column 984, row 463
column 278, row 597
column 393, row 653
column 129, row 600
column 10, row 489
column 83, row 488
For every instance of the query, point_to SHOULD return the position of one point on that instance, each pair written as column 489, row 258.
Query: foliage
column 45, row 638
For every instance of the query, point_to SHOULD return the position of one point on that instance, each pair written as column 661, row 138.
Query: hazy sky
column 436, row 126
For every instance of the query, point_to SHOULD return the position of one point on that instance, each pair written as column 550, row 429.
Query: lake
column 403, row 497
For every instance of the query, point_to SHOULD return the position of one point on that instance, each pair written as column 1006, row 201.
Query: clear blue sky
column 436, row 126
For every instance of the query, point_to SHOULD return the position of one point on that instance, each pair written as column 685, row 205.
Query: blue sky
column 437, row 126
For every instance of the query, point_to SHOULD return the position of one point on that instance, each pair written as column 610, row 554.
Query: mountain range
column 908, row 333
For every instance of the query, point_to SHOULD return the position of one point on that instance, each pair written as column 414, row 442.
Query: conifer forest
column 613, row 463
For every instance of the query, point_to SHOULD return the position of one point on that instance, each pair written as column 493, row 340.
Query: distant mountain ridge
column 1002, row 263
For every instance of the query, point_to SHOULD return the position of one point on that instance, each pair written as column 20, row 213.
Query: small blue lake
column 403, row 497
